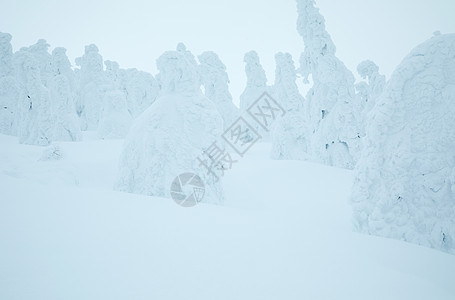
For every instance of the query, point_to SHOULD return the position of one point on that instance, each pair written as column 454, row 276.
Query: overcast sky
column 135, row 33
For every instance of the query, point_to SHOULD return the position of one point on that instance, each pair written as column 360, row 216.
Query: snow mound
column 167, row 139
column 405, row 180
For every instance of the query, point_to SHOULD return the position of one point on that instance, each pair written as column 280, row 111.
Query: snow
column 282, row 235
column 405, row 183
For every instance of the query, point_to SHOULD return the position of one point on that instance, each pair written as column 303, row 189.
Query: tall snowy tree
column 256, row 86
column 167, row 139
column 62, row 91
column 91, row 87
column 405, row 179
column 333, row 111
column 34, row 117
column 289, row 132
column 40, row 51
column 9, row 92
column 215, row 81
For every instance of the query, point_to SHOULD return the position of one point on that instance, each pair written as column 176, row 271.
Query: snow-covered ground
column 285, row 233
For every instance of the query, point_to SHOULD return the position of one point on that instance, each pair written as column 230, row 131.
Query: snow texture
column 405, row 180
column 289, row 132
column 167, row 139
column 116, row 119
column 215, row 81
column 9, row 92
column 34, row 118
column 332, row 108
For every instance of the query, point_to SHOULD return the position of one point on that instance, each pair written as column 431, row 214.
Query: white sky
column 135, row 33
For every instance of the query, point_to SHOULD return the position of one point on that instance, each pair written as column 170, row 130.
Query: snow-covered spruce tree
column 141, row 90
column 215, row 81
column 9, row 92
column 113, row 75
column 34, row 117
column 332, row 107
column 167, row 139
column 62, row 91
column 256, row 80
column 256, row 86
column 405, row 180
column 115, row 119
column 289, row 132
column 40, row 51
column 91, row 84
column 371, row 88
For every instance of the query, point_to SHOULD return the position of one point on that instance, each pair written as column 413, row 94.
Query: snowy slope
column 284, row 234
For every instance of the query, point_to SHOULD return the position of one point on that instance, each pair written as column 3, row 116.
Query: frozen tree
column 62, row 87
column 115, row 119
column 289, row 132
column 40, row 51
column 34, row 117
column 113, row 74
column 332, row 107
column 60, row 65
column 91, row 87
column 167, row 139
column 256, row 86
column 141, row 90
column 9, row 92
column 405, row 179
column 370, row 89
column 256, row 80
column 215, row 81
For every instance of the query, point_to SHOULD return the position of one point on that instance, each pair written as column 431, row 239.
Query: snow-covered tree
column 34, row 117
column 115, row 119
column 405, row 179
column 9, row 92
column 215, row 81
column 40, row 51
column 113, row 74
column 62, row 87
column 372, row 87
column 167, row 139
column 289, row 132
column 256, row 86
column 91, row 85
column 332, row 108
column 256, row 80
